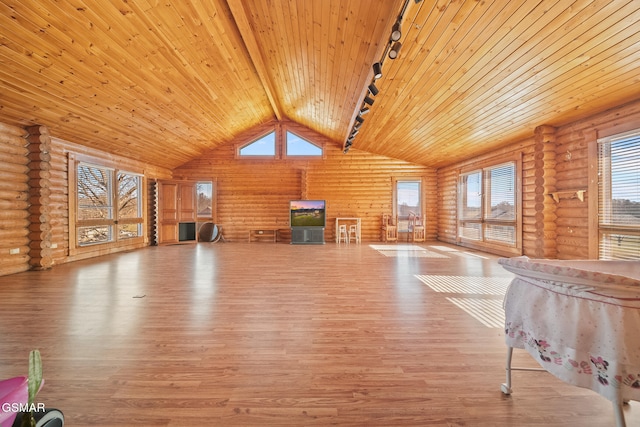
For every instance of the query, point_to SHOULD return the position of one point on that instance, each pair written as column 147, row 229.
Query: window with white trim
column 619, row 196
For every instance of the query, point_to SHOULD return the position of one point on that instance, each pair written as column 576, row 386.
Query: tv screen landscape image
column 307, row 213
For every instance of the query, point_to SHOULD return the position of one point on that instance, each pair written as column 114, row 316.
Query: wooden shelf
column 568, row 194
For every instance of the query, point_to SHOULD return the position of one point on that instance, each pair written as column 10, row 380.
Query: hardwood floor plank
column 281, row 335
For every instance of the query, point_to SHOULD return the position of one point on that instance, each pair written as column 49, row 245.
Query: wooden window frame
column 493, row 246
column 74, row 161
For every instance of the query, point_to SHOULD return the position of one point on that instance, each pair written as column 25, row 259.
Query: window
column 487, row 205
column 298, row 146
column 264, row 146
column 619, row 196
column 204, row 201
column 109, row 205
column 407, row 202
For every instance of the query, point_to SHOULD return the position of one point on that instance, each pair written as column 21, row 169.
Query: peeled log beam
column 12, row 148
column 13, row 141
column 6, row 235
column 8, row 214
column 13, row 195
column 39, row 227
column 45, row 166
column 13, row 269
column 40, row 174
column 39, row 245
column 12, row 130
column 39, row 139
column 7, row 176
column 37, row 130
column 9, row 224
column 41, row 263
column 39, row 156
column 15, row 169
column 14, row 159
column 22, row 243
column 13, row 205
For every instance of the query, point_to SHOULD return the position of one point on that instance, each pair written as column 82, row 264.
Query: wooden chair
column 342, row 234
column 389, row 229
column 353, row 233
column 416, row 228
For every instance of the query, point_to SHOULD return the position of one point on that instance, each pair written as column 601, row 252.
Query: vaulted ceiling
column 165, row 81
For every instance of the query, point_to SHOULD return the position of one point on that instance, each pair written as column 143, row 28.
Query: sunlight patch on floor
column 412, row 251
column 473, row 293
column 489, row 312
column 466, row 284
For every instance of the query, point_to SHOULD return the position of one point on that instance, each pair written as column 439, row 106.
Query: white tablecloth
column 580, row 320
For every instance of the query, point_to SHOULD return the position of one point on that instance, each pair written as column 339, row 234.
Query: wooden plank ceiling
column 164, row 82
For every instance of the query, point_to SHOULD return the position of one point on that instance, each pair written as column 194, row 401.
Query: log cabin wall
column 566, row 229
column 576, row 169
column 255, row 193
column 14, row 204
column 34, row 197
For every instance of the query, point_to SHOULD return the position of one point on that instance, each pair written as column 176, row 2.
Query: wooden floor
column 264, row 334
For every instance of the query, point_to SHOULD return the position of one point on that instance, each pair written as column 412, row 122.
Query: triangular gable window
column 297, row 146
column 265, row 146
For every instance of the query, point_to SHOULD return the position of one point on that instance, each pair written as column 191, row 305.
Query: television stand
column 307, row 235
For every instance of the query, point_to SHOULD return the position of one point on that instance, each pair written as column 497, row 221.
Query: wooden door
column 187, row 202
column 168, row 201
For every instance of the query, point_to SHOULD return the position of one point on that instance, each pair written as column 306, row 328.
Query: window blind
column 619, row 196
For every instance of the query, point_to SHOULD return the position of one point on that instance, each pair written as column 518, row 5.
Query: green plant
column 34, row 383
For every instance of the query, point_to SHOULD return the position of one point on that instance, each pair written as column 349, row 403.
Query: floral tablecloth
column 580, row 320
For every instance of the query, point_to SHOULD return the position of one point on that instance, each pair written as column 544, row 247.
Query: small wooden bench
column 256, row 234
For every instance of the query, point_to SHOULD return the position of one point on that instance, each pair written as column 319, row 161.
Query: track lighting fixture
column 395, row 31
column 392, row 49
column 377, row 70
column 395, row 50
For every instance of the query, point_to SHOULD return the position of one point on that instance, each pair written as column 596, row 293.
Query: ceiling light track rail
column 391, row 50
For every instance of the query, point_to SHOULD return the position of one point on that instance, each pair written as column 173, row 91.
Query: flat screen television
column 307, row 213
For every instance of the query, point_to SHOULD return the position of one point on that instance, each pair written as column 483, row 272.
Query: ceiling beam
column 247, row 33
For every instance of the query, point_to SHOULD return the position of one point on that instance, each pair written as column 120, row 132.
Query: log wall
column 255, row 193
column 576, row 169
column 34, row 197
column 14, row 200
column 34, row 189
column 561, row 160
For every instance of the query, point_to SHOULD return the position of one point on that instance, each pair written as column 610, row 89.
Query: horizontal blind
column 619, row 196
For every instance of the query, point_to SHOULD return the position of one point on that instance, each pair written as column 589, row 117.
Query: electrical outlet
column 14, row 251
column 54, row 245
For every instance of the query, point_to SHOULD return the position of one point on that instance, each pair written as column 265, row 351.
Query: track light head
column 359, row 119
column 377, row 70
column 368, row 100
column 395, row 50
column 373, row 89
column 396, row 33
column 364, row 111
